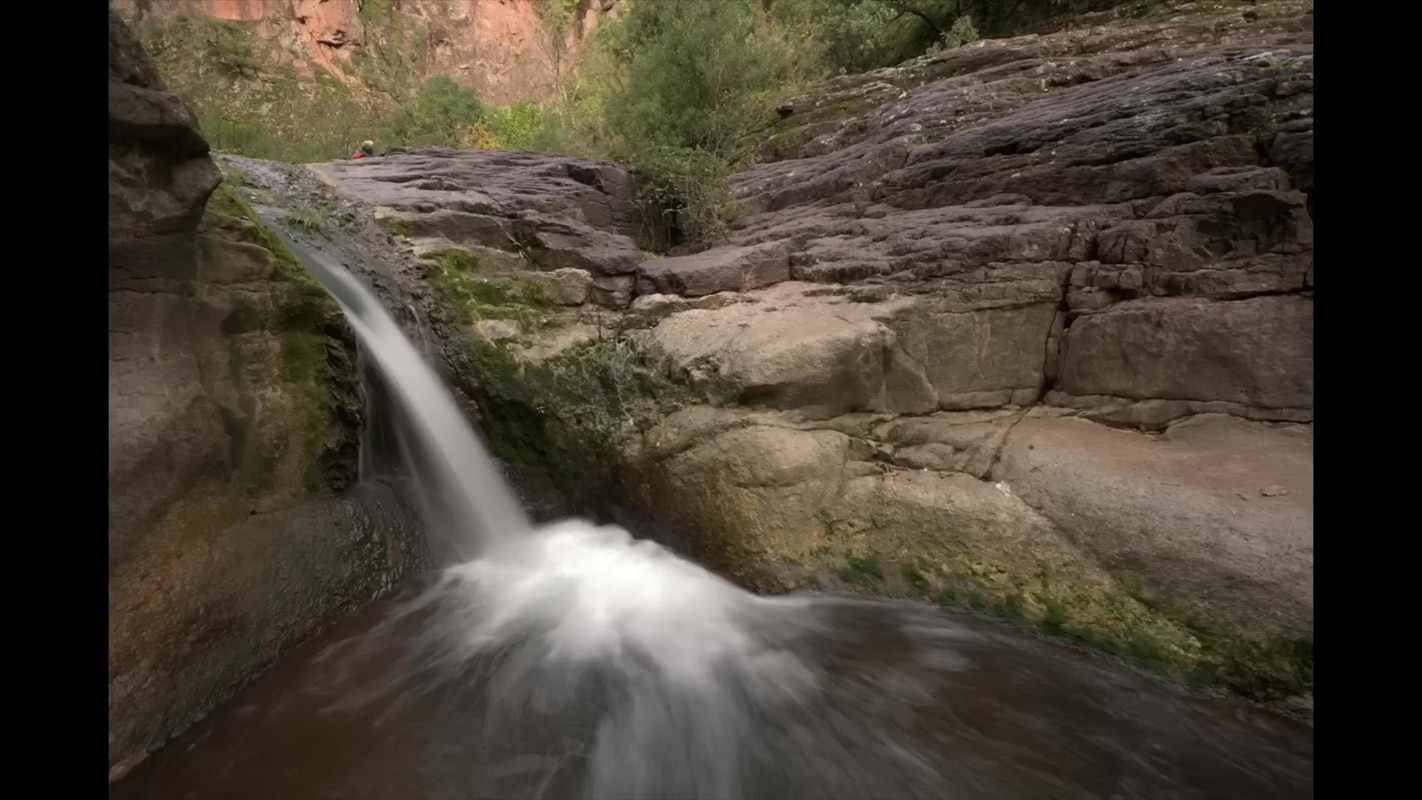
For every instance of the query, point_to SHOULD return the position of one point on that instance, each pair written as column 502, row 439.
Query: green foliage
column 694, row 72
column 860, row 35
column 311, row 221
column 440, row 116
column 963, row 32
column 515, row 127
column 853, row 36
column 229, row 46
column 557, row 419
column 866, row 572
column 686, row 193
column 250, row 101
column 677, row 88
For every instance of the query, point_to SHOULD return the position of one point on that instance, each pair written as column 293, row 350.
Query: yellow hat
column 367, row 143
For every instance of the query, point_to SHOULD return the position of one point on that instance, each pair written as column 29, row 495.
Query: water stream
column 572, row 660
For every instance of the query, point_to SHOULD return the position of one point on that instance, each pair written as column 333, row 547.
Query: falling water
column 574, row 661
column 478, row 511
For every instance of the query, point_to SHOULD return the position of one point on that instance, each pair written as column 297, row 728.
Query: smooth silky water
column 571, row 660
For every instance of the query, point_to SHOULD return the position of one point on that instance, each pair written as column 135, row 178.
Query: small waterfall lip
column 470, row 509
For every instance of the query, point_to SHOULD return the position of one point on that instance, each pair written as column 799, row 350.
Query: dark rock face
column 234, row 414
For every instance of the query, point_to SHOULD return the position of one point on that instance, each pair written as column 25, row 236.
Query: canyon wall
column 500, row 47
column 234, row 416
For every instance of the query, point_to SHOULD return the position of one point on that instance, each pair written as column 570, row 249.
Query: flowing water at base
column 812, row 697
column 573, row 661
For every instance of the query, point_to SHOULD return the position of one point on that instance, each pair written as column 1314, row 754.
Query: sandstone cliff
column 234, row 410
column 500, row 47
column 1024, row 326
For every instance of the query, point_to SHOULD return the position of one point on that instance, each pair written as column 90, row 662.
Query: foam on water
column 602, row 593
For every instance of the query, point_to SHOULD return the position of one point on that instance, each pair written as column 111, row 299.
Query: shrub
column 441, row 115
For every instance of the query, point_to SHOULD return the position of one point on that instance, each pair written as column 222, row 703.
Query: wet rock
column 233, row 417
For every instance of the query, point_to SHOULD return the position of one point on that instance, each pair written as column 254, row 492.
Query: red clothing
column 358, row 154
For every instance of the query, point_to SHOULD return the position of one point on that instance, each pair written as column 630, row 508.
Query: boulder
column 1213, row 516
column 784, row 348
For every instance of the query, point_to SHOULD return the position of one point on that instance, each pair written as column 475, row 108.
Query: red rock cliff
column 500, row 47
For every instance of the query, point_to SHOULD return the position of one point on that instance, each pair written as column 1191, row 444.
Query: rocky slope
column 1024, row 326
column 234, row 409
column 500, row 47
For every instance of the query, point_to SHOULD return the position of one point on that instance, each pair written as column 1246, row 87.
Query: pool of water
column 1014, row 718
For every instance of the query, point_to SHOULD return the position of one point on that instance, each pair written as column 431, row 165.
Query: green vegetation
column 312, row 221
column 515, row 127
column 678, row 88
column 865, row 572
column 557, row 420
column 440, row 115
column 1150, row 634
column 453, row 274
column 251, row 100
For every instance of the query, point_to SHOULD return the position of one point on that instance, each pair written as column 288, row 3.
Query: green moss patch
column 1107, row 617
column 316, row 368
column 865, row 572
column 470, row 297
column 558, row 420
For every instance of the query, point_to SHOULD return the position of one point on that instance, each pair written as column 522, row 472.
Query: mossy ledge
column 554, row 419
column 561, row 421
column 1113, row 618
column 317, row 347
column 557, row 420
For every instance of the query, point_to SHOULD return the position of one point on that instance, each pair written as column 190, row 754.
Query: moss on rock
column 470, row 297
column 557, row 420
column 316, row 372
column 1102, row 614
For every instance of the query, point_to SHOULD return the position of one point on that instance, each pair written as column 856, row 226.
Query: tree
column 557, row 19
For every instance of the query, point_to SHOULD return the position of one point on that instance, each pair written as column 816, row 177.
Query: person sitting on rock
column 367, row 149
